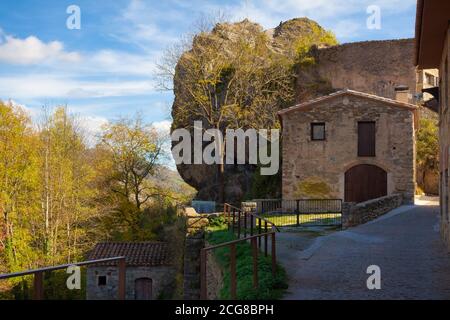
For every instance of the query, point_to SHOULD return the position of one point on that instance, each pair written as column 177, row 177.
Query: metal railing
column 233, row 279
column 299, row 212
column 38, row 290
column 243, row 223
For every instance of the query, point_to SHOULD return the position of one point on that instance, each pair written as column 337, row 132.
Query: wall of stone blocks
column 375, row 67
column 321, row 165
column 444, row 137
column 163, row 278
column 356, row 214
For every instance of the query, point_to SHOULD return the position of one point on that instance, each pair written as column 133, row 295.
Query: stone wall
column 444, row 136
column 356, row 214
column 162, row 279
column 316, row 169
column 214, row 276
column 375, row 67
column 195, row 241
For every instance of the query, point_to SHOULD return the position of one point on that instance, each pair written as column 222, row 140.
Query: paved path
column 405, row 244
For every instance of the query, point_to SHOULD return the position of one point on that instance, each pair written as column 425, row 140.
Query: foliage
column 59, row 195
column 316, row 36
column 265, row 187
column 269, row 287
column 428, row 146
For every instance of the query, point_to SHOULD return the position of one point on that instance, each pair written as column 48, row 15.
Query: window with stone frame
column 318, row 132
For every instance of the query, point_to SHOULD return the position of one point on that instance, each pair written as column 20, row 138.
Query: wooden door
column 143, row 289
column 365, row 182
column 366, row 139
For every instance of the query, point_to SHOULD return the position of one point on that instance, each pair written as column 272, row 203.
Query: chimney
column 402, row 94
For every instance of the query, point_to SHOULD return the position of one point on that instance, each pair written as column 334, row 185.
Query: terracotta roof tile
column 135, row 253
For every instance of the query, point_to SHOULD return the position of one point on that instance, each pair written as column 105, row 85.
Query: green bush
column 269, row 287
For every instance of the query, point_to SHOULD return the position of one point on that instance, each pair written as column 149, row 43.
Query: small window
column 317, row 131
column 430, row 79
column 366, row 139
column 101, row 280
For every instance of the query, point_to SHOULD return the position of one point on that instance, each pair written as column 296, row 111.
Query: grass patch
column 319, row 219
column 269, row 287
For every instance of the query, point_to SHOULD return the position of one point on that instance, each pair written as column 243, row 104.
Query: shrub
column 269, row 287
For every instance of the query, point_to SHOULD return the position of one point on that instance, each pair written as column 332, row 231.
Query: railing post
column 255, row 263
column 233, row 280
column 245, row 224
column 227, row 216
column 203, row 286
column 38, row 290
column 239, row 224
column 122, row 279
column 251, row 225
column 259, row 231
column 234, row 220
column 298, row 213
column 265, row 239
column 274, row 255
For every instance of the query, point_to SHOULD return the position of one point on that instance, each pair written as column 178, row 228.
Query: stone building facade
column 149, row 271
column 433, row 51
column 349, row 145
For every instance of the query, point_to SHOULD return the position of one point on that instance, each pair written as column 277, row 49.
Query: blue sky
column 107, row 69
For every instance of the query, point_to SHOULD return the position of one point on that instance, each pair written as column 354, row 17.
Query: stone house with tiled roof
column 349, row 145
column 149, row 270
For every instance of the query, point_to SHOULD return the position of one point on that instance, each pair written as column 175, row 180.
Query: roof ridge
column 347, row 91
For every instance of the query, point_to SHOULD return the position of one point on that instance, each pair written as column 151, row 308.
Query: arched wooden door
column 365, row 182
column 143, row 289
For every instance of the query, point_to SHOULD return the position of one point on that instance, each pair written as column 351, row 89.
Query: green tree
column 66, row 191
column 129, row 154
column 428, row 147
column 18, row 188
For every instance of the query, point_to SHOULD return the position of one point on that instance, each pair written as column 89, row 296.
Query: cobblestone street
column 405, row 244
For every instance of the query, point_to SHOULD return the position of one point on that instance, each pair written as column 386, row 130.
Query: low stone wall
column 195, row 241
column 214, row 276
column 355, row 214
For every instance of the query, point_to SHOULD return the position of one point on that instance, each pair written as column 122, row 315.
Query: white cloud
column 163, row 126
column 143, row 26
column 92, row 126
column 117, row 62
column 29, row 111
column 31, row 50
column 347, row 29
column 52, row 86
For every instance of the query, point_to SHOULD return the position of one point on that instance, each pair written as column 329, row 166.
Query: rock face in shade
column 372, row 67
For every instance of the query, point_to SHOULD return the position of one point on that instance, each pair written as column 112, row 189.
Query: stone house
column 433, row 51
column 349, row 145
column 149, row 271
